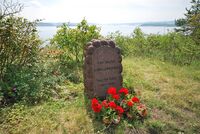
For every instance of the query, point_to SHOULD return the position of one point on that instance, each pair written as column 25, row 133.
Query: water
column 128, row 29
column 47, row 32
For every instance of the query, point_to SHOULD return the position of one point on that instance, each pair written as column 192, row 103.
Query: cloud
column 36, row 3
column 105, row 11
column 32, row 3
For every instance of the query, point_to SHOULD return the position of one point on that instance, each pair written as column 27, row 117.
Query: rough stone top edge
column 100, row 43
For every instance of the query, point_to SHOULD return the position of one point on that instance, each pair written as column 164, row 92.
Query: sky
column 104, row 11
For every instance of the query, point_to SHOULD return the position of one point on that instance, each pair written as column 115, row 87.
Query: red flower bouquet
column 117, row 106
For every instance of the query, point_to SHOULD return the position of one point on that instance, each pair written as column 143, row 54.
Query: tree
column 72, row 40
column 71, row 43
column 18, row 37
column 19, row 48
column 9, row 8
column 190, row 25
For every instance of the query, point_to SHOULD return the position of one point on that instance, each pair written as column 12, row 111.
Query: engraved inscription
column 102, row 67
column 106, row 69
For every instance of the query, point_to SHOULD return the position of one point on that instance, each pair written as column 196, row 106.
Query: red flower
column 112, row 91
column 97, row 108
column 94, row 101
column 112, row 104
column 130, row 103
column 105, row 104
column 135, row 99
column 116, row 97
column 124, row 91
column 119, row 109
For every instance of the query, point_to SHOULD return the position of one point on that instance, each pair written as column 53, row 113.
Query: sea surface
column 47, row 32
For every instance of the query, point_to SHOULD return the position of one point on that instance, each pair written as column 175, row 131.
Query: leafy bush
column 71, row 41
column 19, row 43
column 19, row 48
column 174, row 47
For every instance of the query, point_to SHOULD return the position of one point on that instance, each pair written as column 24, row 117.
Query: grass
column 171, row 92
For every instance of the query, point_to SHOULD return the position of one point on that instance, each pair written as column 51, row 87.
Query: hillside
column 171, row 93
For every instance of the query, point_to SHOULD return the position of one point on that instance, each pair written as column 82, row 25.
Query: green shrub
column 71, row 41
column 123, row 42
column 19, row 43
column 19, row 48
column 173, row 47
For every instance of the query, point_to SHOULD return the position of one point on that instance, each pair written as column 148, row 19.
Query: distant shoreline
column 156, row 24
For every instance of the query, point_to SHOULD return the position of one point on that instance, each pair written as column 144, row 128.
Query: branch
column 9, row 8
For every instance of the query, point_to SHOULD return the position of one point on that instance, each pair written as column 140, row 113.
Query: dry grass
column 173, row 91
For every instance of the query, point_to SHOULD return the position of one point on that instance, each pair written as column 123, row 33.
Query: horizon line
column 113, row 22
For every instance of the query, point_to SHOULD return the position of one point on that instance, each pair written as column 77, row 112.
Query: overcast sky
column 104, row 11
